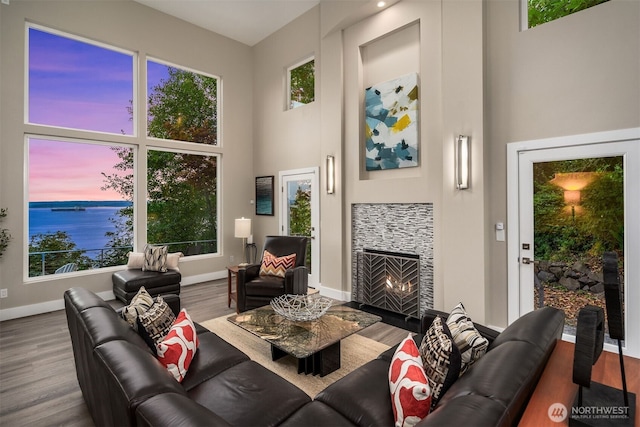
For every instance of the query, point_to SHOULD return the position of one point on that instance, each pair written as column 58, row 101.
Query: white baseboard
column 334, row 293
column 193, row 280
column 42, row 307
column 55, row 305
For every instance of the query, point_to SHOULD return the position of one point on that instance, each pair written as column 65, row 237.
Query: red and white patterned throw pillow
column 177, row 349
column 410, row 392
column 276, row 266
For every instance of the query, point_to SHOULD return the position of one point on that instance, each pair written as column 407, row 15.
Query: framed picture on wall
column 264, row 195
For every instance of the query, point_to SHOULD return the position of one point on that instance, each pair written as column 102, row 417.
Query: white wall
column 284, row 139
column 131, row 26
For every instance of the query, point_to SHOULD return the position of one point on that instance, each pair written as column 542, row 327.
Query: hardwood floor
column 556, row 384
column 38, row 385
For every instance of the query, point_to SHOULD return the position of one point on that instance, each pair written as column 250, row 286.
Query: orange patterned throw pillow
column 276, row 266
column 409, row 386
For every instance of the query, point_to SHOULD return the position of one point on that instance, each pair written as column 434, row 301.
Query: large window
column 83, row 155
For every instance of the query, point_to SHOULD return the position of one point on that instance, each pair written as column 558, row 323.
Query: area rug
column 356, row 350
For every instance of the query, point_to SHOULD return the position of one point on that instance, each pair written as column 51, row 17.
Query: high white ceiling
column 247, row 21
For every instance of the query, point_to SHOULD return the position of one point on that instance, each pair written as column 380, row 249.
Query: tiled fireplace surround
column 394, row 227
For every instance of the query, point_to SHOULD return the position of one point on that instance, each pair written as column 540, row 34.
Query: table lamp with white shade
column 243, row 231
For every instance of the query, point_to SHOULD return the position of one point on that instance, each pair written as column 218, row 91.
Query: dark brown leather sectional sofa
column 123, row 384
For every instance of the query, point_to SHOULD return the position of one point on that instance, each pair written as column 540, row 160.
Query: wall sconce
column 331, row 174
column 463, row 161
column 243, row 231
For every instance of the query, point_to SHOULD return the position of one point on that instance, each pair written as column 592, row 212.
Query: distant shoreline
column 72, row 204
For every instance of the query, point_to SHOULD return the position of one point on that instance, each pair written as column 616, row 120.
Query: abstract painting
column 391, row 124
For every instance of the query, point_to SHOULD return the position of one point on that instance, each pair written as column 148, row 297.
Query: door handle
column 526, row 260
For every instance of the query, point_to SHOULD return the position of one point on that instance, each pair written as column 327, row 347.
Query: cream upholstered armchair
column 276, row 274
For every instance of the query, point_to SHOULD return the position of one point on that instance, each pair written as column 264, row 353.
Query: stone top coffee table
column 315, row 343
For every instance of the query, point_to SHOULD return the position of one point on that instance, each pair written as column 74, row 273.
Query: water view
column 86, row 223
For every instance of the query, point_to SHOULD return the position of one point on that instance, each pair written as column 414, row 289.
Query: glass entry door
column 574, row 203
column 299, row 213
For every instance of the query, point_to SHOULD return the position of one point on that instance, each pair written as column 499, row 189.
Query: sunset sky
column 77, row 85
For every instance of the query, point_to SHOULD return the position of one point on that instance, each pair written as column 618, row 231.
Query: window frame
column 135, row 81
column 176, row 150
column 219, row 120
column 71, row 140
column 524, row 14
column 288, row 101
column 138, row 140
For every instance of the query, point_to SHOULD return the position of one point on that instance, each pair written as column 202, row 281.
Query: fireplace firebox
column 390, row 280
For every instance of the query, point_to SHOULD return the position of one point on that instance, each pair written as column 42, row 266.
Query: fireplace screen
column 390, row 281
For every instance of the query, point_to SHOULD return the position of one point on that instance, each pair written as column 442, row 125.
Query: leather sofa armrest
column 245, row 275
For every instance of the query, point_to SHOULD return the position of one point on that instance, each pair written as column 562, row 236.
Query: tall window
column 542, row 11
column 182, row 208
column 301, row 84
column 182, row 104
column 78, row 217
column 81, row 185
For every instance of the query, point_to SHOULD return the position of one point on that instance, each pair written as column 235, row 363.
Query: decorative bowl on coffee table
column 301, row 308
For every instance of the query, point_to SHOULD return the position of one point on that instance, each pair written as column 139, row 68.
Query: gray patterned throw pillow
column 440, row 358
column 155, row 258
column 155, row 323
column 471, row 344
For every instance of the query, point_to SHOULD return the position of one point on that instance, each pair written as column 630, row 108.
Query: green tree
column 182, row 202
column 541, row 11
column 184, row 108
column 122, row 238
column 51, row 243
column 302, row 84
column 603, row 202
column 5, row 236
column 598, row 224
column 300, row 219
column 181, row 187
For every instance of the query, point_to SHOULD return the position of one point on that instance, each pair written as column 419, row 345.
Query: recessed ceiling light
column 381, row 4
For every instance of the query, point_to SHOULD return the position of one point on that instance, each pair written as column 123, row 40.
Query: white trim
column 524, row 15
column 55, row 305
column 200, row 278
column 287, row 96
column 43, row 307
column 334, row 293
column 312, row 173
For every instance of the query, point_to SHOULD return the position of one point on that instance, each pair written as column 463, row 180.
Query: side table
column 232, row 271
